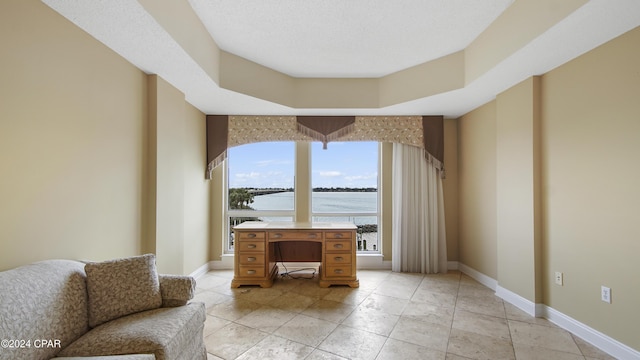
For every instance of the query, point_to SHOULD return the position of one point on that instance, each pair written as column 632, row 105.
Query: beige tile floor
column 391, row 316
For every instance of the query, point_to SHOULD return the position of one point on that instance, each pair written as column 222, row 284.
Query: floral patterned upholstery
column 111, row 357
column 49, row 300
column 121, row 287
column 46, row 300
column 176, row 290
column 150, row 332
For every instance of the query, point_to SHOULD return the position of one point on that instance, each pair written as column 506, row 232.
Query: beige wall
column 87, row 169
column 517, row 189
column 477, row 190
column 167, row 113
column 72, row 139
column 197, row 204
column 591, row 172
column 589, row 199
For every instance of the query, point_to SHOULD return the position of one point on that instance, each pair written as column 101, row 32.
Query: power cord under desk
column 288, row 273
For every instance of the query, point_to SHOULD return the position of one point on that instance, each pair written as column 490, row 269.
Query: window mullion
column 302, row 186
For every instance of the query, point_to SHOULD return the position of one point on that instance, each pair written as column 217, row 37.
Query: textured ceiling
column 338, row 38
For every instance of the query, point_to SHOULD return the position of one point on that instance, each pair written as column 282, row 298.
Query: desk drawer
column 251, row 271
column 250, row 235
column 338, row 245
column 338, row 234
column 251, row 259
column 295, row 235
column 257, row 246
column 338, row 259
column 339, row 271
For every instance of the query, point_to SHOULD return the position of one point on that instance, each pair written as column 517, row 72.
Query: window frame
column 377, row 213
column 299, row 192
column 233, row 213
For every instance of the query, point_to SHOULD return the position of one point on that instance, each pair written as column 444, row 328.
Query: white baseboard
column 518, row 301
column 602, row 341
column 372, row 262
column 200, row 271
column 478, row 276
column 225, row 263
column 592, row 336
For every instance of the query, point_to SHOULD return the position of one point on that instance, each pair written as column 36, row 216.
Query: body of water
column 325, row 202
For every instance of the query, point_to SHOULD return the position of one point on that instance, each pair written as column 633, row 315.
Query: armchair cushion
column 121, row 287
column 167, row 333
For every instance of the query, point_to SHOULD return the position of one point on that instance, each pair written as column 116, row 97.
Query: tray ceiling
column 336, row 57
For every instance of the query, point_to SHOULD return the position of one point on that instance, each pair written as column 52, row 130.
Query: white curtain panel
column 419, row 240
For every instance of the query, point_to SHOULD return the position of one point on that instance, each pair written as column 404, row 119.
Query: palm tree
column 239, row 199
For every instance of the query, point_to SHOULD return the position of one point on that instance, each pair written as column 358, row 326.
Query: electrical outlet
column 605, row 294
column 559, row 278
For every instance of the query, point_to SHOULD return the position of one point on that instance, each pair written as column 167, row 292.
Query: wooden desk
column 259, row 246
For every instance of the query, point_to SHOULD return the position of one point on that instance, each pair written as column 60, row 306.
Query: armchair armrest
column 176, row 290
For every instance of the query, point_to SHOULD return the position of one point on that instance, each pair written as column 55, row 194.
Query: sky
column 271, row 165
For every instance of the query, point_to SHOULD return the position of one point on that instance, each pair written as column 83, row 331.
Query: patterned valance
column 325, row 128
column 426, row 132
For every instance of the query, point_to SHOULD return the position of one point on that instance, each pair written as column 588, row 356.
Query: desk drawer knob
column 277, row 236
column 337, row 246
column 338, row 236
column 251, row 246
column 251, row 259
column 251, row 272
column 338, row 271
column 338, row 258
column 313, row 236
column 251, row 235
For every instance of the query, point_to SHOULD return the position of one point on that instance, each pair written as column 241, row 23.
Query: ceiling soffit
column 439, row 75
column 530, row 38
column 241, row 75
column 338, row 39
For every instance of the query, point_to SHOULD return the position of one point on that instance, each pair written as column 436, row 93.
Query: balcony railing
column 367, row 233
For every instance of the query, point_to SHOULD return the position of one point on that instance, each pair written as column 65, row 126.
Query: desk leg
column 323, row 283
column 351, row 283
